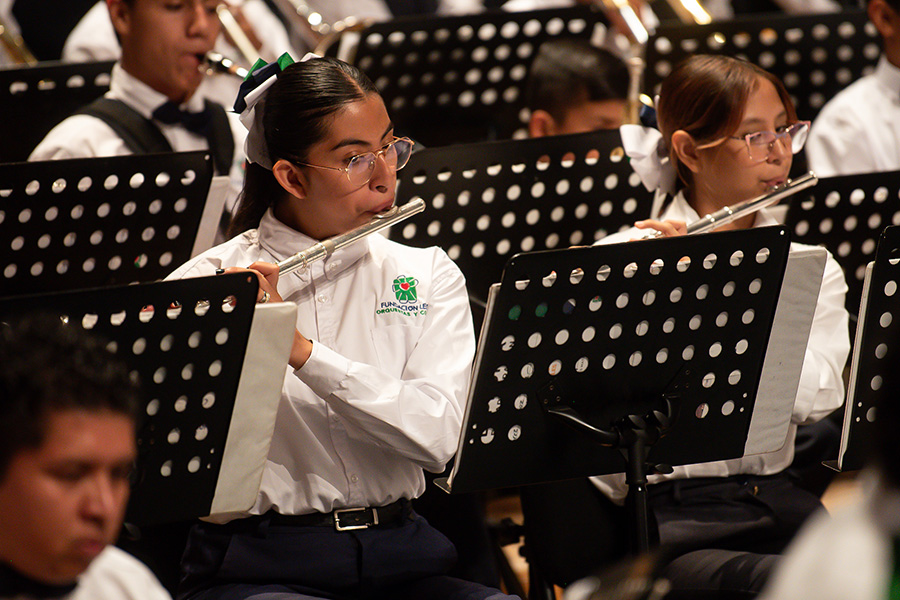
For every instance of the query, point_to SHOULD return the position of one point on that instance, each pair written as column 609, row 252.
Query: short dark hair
column 47, row 366
column 567, row 72
column 296, row 116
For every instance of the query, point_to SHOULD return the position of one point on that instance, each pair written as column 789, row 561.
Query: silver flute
column 326, row 248
column 726, row 215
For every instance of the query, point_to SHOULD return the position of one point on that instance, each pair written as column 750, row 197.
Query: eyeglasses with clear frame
column 759, row 144
column 361, row 167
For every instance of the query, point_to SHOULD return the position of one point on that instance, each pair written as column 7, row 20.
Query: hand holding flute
column 267, row 274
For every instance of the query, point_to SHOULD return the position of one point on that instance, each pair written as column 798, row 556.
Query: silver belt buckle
column 340, row 511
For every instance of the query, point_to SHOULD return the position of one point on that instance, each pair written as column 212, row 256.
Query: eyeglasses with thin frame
column 759, row 144
column 361, row 167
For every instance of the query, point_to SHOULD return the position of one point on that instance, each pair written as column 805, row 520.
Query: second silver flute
column 736, row 211
column 326, row 248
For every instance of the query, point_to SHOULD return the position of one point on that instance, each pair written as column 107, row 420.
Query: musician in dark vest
column 152, row 105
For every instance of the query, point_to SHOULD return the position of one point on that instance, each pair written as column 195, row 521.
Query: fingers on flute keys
column 661, row 228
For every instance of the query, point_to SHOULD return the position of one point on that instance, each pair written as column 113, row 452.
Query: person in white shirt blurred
column 858, row 131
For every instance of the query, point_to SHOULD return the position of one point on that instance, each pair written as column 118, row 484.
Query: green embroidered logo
column 405, row 289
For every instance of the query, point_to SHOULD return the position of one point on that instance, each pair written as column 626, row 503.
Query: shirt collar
column 140, row 96
column 281, row 241
column 889, row 76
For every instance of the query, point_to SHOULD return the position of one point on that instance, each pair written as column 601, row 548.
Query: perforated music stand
column 490, row 200
column 91, row 222
column 626, row 342
column 187, row 342
column 846, row 214
column 459, row 79
column 874, row 378
column 816, row 55
column 37, row 98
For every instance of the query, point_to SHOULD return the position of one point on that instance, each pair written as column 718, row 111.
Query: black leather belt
column 347, row 519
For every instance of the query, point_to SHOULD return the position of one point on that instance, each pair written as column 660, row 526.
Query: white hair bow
column 649, row 157
column 251, row 101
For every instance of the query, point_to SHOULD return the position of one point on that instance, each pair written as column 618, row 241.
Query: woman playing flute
column 379, row 367
column 728, row 131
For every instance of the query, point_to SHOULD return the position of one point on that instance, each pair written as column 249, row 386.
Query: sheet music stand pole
column 632, row 436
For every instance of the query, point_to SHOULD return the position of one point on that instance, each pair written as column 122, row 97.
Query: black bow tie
column 170, row 114
column 13, row 583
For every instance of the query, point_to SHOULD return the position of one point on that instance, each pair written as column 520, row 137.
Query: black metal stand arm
column 632, row 436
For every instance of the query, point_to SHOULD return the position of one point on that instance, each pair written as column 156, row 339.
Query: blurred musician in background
column 378, row 373
column 574, row 87
column 67, row 444
column 730, row 131
column 854, row 552
column 858, row 131
column 94, row 38
column 152, row 104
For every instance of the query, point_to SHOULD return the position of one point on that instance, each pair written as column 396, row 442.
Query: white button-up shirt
column 382, row 395
column 858, row 131
column 116, row 575
column 821, row 388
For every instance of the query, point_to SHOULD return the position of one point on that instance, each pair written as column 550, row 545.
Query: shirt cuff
column 324, row 370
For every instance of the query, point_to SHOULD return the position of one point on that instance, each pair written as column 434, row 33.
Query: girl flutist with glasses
column 379, row 366
column 727, row 133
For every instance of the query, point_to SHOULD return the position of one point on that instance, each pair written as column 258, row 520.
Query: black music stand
column 874, row 378
column 653, row 351
column 461, row 79
column 816, row 56
column 37, row 98
column 490, row 200
column 846, row 214
column 211, row 386
column 91, row 222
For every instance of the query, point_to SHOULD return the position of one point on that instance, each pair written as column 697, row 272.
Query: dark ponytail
column 294, row 119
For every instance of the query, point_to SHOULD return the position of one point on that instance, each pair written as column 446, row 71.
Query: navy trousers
column 256, row 559
column 721, row 537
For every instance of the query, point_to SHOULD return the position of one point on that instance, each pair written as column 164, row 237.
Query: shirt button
column 354, row 478
column 322, row 298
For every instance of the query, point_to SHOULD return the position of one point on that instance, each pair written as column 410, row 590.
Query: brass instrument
column 243, row 44
column 624, row 15
column 216, row 63
column 633, row 28
column 325, row 248
column 311, row 26
column 15, row 46
column 690, row 11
